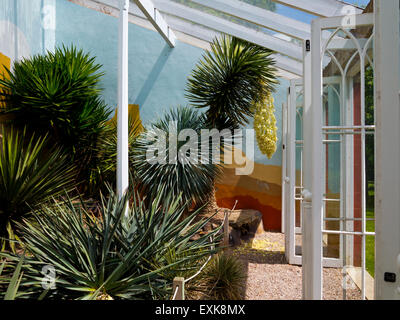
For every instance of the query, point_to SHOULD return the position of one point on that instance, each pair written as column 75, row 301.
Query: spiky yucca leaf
column 171, row 169
column 229, row 79
column 12, row 284
column 112, row 255
column 31, row 173
column 222, row 279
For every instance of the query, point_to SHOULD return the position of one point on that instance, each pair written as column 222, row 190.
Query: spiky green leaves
column 105, row 159
column 114, row 255
column 223, row 278
column 229, row 79
column 169, row 173
column 31, row 172
column 58, row 93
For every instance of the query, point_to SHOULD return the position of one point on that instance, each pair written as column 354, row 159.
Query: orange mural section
column 259, row 191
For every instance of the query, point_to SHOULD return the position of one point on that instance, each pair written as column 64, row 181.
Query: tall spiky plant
column 230, row 79
column 58, row 94
column 31, row 172
column 175, row 171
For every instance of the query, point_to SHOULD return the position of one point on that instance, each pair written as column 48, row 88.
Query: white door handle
column 307, row 195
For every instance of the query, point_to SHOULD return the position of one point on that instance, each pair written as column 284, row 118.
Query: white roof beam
column 110, row 8
column 288, row 64
column 147, row 11
column 320, row 8
column 156, row 19
column 208, row 35
column 264, row 18
column 224, row 26
column 186, row 31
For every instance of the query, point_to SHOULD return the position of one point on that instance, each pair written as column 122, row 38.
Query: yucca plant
column 172, row 172
column 58, row 93
column 111, row 256
column 228, row 82
column 230, row 79
column 223, row 279
column 31, row 172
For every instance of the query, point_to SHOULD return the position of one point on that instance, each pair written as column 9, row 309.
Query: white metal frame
column 122, row 122
column 284, row 168
column 175, row 21
column 290, row 210
column 320, row 8
column 289, row 170
column 157, row 20
column 222, row 25
column 264, row 18
column 311, row 248
column 315, row 217
column 387, row 188
column 142, row 8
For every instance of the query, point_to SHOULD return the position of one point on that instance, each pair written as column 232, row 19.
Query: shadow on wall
column 153, row 76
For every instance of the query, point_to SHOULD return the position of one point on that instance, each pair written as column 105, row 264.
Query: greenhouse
column 200, row 149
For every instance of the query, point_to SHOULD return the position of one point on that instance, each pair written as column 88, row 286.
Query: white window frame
column 387, row 149
column 313, row 217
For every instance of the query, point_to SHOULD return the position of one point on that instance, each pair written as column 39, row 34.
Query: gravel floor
column 269, row 277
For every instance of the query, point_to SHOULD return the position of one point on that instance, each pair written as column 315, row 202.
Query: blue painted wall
column 157, row 73
column 21, row 27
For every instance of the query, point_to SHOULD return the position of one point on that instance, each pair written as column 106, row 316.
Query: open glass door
column 294, row 176
column 342, row 145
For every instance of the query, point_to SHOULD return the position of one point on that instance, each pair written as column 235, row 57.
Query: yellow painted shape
column 5, row 62
column 268, row 182
column 134, row 114
column 263, row 172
